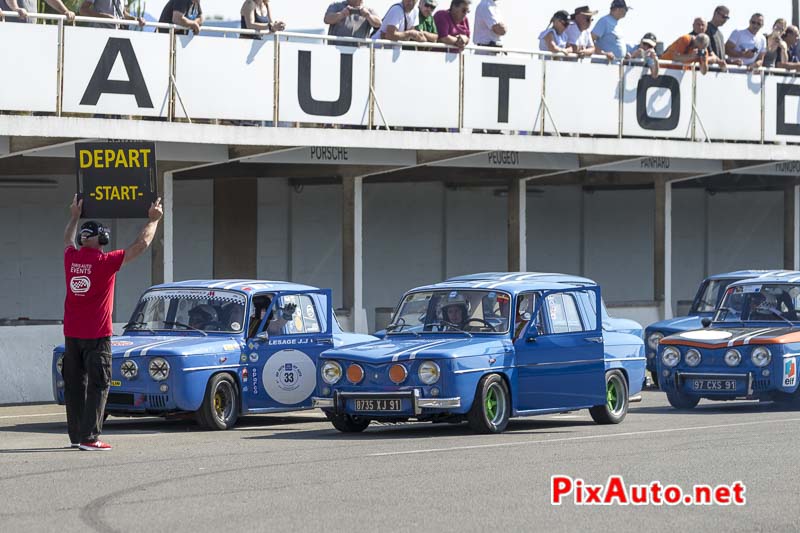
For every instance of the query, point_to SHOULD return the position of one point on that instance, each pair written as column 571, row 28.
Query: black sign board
column 116, row 179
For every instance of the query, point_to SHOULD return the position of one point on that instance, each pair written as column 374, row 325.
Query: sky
column 668, row 19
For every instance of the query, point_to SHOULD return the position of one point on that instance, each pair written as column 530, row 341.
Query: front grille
column 157, row 400
column 761, row 385
column 120, row 398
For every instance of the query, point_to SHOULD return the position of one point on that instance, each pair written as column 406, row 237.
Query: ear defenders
column 90, row 229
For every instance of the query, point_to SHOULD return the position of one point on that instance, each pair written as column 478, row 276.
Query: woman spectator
column 776, row 50
column 453, row 25
column 554, row 38
column 647, row 51
column 257, row 15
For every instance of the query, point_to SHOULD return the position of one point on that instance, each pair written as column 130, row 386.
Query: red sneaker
column 96, row 445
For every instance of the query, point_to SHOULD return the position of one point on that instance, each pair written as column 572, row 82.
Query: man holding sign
column 90, row 275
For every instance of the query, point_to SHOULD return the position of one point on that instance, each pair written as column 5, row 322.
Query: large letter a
column 100, row 83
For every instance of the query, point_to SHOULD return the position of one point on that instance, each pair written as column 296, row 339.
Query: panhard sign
column 116, row 179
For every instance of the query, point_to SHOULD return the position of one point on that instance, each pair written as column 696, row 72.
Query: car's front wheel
column 348, row 423
column 616, row 406
column 678, row 400
column 491, row 407
column 220, row 407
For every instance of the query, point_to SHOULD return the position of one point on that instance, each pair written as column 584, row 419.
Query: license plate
column 378, row 405
column 721, row 385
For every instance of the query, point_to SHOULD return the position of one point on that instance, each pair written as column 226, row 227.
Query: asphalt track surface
column 296, row 473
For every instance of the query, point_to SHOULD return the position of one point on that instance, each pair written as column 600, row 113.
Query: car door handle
column 325, row 341
column 598, row 340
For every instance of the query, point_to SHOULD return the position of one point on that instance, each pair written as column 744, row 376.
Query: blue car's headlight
column 653, row 339
column 331, row 372
column 733, row 358
column 429, row 372
column 671, row 356
column 129, row 369
column 60, row 365
column 693, row 357
column 761, row 356
column 158, row 368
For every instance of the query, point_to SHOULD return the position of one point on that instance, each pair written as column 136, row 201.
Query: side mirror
column 262, row 337
column 706, row 322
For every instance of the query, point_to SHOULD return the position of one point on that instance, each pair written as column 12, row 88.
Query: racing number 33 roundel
column 289, row 377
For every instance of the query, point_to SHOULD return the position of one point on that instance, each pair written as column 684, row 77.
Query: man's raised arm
column 72, row 226
column 146, row 235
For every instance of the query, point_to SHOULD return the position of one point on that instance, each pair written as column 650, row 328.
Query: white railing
column 291, row 79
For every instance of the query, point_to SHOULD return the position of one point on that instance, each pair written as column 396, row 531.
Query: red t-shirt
column 90, row 276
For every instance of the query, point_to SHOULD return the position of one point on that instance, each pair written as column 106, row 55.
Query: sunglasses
column 756, row 23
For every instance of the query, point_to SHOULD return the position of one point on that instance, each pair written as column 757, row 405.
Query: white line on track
column 31, row 416
column 586, row 437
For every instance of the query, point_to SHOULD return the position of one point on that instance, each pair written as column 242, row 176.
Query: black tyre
column 678, row 400
column 220, row 408
column 491, row 407
column 348, row 423
column 654, row 378
column 616, row 406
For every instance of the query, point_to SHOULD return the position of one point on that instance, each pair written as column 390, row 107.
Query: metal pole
column 763, row 105
column 694, row 104
column 621, row 106
column 276, row 77
column 371, row 114
column 60, row 69
column 460, row 91
column 171, row 100
column 541, row 102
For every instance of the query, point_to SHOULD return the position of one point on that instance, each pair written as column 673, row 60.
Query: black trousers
column 87, row 377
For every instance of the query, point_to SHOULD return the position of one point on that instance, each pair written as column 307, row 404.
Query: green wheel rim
column 495, row 404
column 614, row 392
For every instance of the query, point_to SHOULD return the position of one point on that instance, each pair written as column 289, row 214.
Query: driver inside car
column 202, row 316
column 455, row 313
column 763, row 307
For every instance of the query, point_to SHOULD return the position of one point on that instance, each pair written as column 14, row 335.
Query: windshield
column 189, row 309
column 452, row 310
column 760, row 303
column 710, row 294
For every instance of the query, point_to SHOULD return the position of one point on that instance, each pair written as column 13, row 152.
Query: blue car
column 749, row 349
column 708, row 296
column 218, row 349
column 610, row 323
column 483, row 352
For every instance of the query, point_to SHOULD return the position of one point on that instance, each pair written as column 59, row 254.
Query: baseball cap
column 90, row 229
column 650, row 38
column 561, row 15
column 620, row 3
column 432, row 3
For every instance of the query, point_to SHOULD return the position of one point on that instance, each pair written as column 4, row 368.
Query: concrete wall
column 26, row 353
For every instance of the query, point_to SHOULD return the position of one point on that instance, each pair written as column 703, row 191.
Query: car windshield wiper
column 187, row 326
column 726, row 310
column 398, row 327
column 138, row 326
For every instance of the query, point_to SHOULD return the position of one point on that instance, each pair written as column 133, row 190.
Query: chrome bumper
column 337, row 402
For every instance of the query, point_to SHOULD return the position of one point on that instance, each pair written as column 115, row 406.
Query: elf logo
column 789, row 372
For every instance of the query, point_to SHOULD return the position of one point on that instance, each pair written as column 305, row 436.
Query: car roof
column 525, row 276
column 242, row 285
column 745, row 274
column 775, row 276
column 511, row 286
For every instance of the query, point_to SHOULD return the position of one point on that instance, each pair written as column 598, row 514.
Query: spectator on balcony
column 579, row 38
column 776, row 47
column 453, row 25
column 489, row 25
column 425, row 23
column 351, row 18
column 606, row 33
column 23, row 7
column 748, row 44
column 554, row 38
column 186, row 13
column 400, row 23
column 720, row 17
column 790, row 38
column 647, row 51
column 688, row 49
column 107, row 9
column 257, row 15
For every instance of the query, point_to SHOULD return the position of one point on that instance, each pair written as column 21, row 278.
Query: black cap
column 650, row 38
column 620, row 3
column 90, row 228
column 561, row 15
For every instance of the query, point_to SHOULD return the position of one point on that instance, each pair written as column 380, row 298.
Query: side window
column 303, row 318
column 563, row 313
column 589, row 299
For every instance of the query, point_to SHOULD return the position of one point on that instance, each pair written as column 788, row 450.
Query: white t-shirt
column 398, row 18
column 486, row 16
column 744, row 40
column 582, row 39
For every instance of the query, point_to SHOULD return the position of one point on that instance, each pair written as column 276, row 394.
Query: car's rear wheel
column 220, row 407
column 348, row 423
column 491, row 407
column 678, row 400
column 616, row 406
